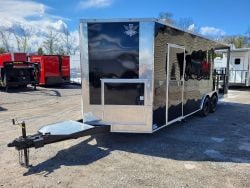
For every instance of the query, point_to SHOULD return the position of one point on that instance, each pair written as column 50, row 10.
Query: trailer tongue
column 53, row 133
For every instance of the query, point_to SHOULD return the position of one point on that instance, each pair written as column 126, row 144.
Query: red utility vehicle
column 54, row 69
column 16, row 71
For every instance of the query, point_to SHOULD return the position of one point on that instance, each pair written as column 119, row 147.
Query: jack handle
column 25, row 151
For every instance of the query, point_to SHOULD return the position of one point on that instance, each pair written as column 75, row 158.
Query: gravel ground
column 200, row 152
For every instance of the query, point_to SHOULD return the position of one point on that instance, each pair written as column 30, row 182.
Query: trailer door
column 175, row 82
column 238, row 70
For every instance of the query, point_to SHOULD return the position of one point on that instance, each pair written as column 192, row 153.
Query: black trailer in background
column 12, row 76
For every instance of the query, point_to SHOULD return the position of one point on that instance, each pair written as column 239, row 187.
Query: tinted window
column 198, row 65
column 124, row 94
column 113, row 53
column 237, row 61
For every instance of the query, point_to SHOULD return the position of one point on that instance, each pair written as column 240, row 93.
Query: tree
column 236, row 41
column 51, row 42
column 40, row 51
column 61, row 51
column 22, row 34
column 5, row 37
column 248, row 37
column 228, row 39
column 66, row 40
column 167, row 17
column 186, row 24
column 2, row 50
column 69, row 41
column 240, row 42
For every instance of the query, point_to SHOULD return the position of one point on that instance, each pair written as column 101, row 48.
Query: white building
column 75, row 68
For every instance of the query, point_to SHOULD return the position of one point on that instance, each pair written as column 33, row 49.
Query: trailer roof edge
column 151, row 20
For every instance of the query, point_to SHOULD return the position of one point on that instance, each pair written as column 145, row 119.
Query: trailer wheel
column 23, row 86
column 213, row 103
column 5, row 83
column 206, row 107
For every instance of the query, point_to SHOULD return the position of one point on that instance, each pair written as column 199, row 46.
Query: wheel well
column 215, row 94
column 207, row 97
column 203, row 100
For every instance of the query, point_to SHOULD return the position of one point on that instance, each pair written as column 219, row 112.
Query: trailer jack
column 23, row 154
column 53, row 133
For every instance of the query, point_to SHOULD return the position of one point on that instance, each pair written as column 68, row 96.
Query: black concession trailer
column 138, row 76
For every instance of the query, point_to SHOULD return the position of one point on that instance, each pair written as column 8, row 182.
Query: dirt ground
column 200, row 152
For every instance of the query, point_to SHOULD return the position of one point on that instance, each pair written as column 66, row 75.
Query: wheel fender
column 215, row 94
column 202, row 100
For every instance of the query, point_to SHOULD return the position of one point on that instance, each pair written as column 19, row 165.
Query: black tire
column 23, row 86
column 5, row 84
column 5, row 80
column 205, row 107
column 213, row 103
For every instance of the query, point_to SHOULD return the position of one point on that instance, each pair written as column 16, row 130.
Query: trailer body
column 139, row 75
column 8, row 57
column 16, row 71
column 55, row 69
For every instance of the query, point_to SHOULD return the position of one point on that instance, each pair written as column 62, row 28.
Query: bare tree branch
column 22, row 34
column 236, row 41
column 51, row 42
column 69, row 42
column 167, row 17
column 185, row 23
column 5, row 36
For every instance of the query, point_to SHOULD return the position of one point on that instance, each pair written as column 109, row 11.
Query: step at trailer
column 138, row 76
column 15, row 70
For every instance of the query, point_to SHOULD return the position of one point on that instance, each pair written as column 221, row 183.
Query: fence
column 219, row 80
column 238, row 76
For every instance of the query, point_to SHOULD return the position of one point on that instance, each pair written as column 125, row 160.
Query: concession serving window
column 123, row 91
column 113, row 54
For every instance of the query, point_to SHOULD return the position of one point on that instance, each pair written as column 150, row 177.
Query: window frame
column 237, row 58
column 120, row 81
